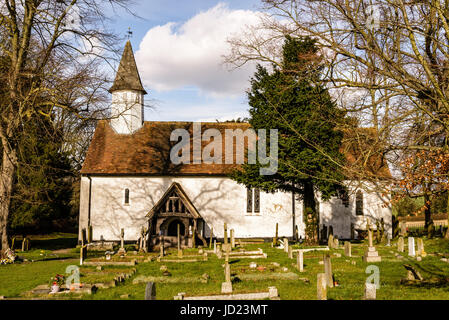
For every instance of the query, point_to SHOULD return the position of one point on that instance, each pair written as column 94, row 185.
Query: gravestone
column 227, row 272
column 336, row 243
column 300, row 261
column 232, row 238
column 420, row 244
column 328, row 271
column 371, row 255
column 347, row 248
column 411, row 246
column 122, row 250
column 330, row 241
column 370, row 291
column 290, row 252
column 388, row 241
column 211, row 237
column 403, row 227
column 215, row 246
column 150, row 291
column 401, row 244
column 321, row 286
column 286, row 245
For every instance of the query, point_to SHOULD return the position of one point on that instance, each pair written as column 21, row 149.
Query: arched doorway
column 172, row 229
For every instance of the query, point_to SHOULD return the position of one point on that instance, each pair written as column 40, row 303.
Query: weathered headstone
column 347, row 248
column 403, row 227
column 321, row 286
column 401, row 244
column 232, row 238
column 290, row 252
column 388, row 241
column 420, row 245
column 226, row 287
column 215, row 246
column 150, row 291
column 336, row 243
column 370, row 291
column 330, row 241
column 286, row 245
column 328, row 271
column 411, row 246
column 300, row 261
column 211, row 237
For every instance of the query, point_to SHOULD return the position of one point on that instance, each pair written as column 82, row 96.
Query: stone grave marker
column 347, row 248
column 321, row 286
column 330, row 241
column 336, row 244
column 403, row 227
column 215, row 246
column 401, row 244
column 421, row 251
column 150, row 291
column 328, row 271
column 232, row 238
column 371, row 255
column 122, row 242
column 286, row 245
column 290, row 252
column 211, row 237
column 300, row 261
column 411, row 246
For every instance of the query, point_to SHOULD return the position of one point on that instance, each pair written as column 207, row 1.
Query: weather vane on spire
column 130, row 33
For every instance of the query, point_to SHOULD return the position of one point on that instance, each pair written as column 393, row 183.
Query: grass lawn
column 20, row 277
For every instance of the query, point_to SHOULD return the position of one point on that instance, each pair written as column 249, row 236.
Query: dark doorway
column 172, row 229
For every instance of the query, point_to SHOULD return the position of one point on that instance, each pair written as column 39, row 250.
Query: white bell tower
column 127, row 95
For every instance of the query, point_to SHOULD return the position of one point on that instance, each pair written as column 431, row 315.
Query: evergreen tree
column 43, row 182
column 292, row 99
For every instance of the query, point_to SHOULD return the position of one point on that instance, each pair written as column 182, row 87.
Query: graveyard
column 409, row 268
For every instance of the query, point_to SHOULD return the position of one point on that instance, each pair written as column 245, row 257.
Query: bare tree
column 386, row 61
column 48, row 54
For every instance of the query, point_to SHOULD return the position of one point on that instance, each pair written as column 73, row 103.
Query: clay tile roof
column 127, row 77
column 147, row 151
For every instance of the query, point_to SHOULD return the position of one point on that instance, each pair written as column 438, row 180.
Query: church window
column 252, row 200
column 249, row 200
column 256, row 200
column 126, row 196
column 359, row 203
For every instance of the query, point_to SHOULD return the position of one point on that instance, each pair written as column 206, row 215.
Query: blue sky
column 178, row 46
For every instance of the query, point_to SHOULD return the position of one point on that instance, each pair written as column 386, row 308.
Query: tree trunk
column 427, row 210
column 446, row 236
column 6, row 178
column 310, row 213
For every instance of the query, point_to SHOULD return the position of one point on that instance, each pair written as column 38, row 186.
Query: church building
column 129, row 182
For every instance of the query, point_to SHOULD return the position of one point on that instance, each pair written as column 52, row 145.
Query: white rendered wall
column 217, row 199
column 126, row 111
column 334, row 213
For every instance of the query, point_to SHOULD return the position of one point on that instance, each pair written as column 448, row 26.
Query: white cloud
column 173, row 56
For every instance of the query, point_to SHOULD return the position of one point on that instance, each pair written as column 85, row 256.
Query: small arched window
column 126, row 196
column 359, row 203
